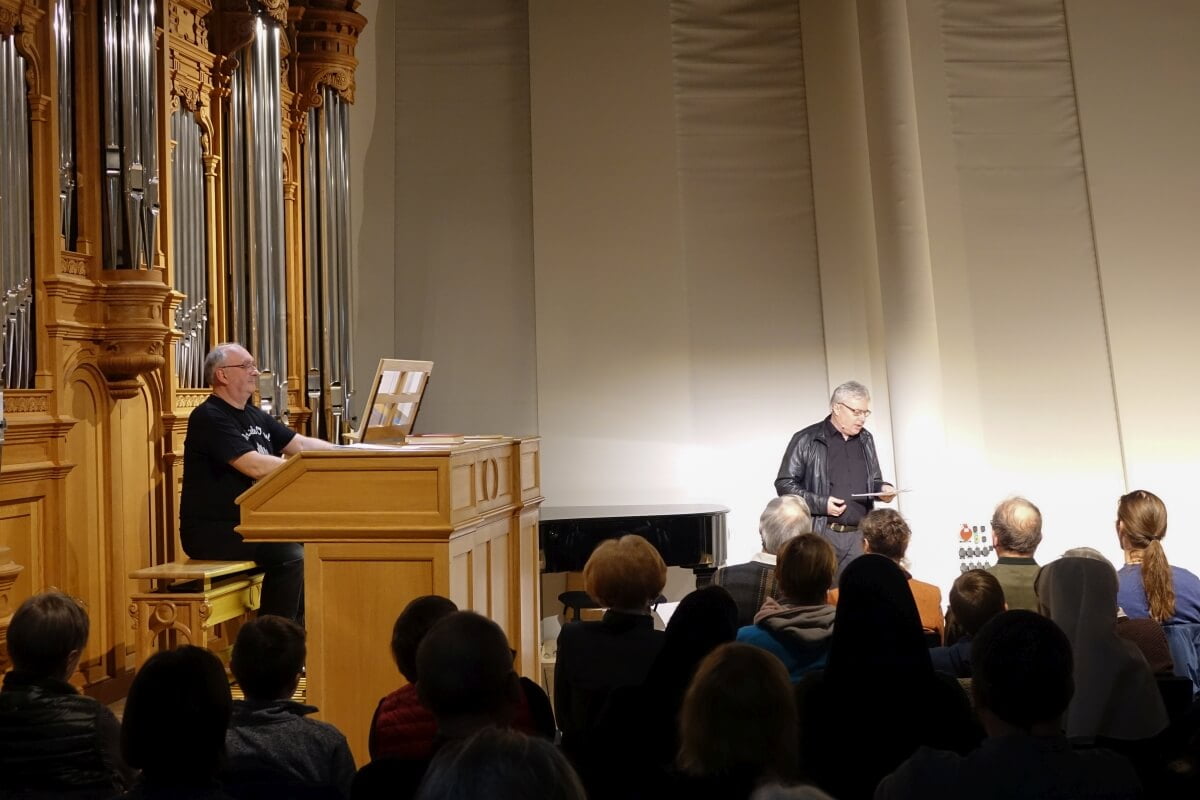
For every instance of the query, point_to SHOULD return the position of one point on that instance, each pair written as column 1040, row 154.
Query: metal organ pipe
column 190, row 250
column 327, row 243
column 16, row 302
column 130, row 131
column 66, row 120
column 257, row 267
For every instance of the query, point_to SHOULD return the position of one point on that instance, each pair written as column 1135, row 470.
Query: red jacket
column 403, row 728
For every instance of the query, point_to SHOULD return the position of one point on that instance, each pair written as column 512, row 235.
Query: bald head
column 1017, row 527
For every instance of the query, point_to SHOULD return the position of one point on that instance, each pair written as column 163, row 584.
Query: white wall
column 372, row 198
column 680, row 337
column 1137, row 74
column 1046, row 330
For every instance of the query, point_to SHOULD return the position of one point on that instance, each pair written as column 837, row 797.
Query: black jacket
column 805, row 471
column 57, row 742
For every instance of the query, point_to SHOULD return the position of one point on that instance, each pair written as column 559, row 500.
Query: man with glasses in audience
column 829, row 462
column 230, row 444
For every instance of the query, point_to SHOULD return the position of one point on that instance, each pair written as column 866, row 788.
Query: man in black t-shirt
column 230, row 444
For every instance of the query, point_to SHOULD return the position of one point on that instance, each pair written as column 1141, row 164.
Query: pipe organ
column 172, row 175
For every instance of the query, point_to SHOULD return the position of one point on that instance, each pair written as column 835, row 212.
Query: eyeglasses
column 249, row 366
column 861, row 413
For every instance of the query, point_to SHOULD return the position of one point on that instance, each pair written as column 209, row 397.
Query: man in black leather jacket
column 829, row 462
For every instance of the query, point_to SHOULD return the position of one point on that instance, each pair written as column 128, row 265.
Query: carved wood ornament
column 91, row 468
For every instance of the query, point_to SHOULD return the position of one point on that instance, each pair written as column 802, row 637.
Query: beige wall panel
column 613, row 326
column 463, row 254
column 1137, row 74
column 373, row 194
column 1025, row 290
column 845, row 225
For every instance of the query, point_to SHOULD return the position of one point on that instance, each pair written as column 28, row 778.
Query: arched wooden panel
column 134, row 499
column 84, row 562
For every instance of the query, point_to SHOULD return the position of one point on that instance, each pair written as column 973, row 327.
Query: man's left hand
column 888, row 493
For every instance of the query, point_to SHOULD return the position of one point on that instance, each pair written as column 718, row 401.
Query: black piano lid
column 687, row 535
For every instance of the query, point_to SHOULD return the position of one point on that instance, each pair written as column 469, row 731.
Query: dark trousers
column 282, row 563
column 847, row 546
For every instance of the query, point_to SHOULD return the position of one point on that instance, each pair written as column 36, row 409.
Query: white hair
column 784, row 518
column 850, row 390
column 215, row 359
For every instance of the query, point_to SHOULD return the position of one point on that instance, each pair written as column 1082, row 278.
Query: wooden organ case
column 129, row 272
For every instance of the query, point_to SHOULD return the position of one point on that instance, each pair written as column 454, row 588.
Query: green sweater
column 1016, row 576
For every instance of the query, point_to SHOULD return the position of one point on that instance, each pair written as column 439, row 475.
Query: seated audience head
column 1022, row 673
column 885, row 533
column 1141, row 526
column 411, row 626
column 877, row 630
column 47, row 635
column 466, row 674
column 500, row 765
column 1115, row 691
column 1016, row 528
column 784, row 518
column 176, row 714
column 739, row 716
column 1086, row 552
column 975, row 597
column 805, row 569
column 625, row 574
column 704, row 620
column 268, row 658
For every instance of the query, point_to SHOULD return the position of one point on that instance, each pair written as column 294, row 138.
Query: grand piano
column 692, row 536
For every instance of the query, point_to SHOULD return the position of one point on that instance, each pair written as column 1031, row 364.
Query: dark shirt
column 594, row 658
column 218, row 433
column 55, row 742
column 275, row 747
column 847, row 474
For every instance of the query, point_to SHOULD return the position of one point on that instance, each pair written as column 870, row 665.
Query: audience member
column 1022, row 686
column 797, row 626
column 737, row 727
column 1016, row 533
column 1146, row 633
column 500, row 765
column 54, row 742
column 751, row 583
column 401, row 726
column 272, row 745
column 176, row 715
column 879, row 697
column 594, row 658
column 1149, row 585
column 885, row 533
column 639, row 728
column 466, row 678
column 975, row 598
column 1116, row 696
